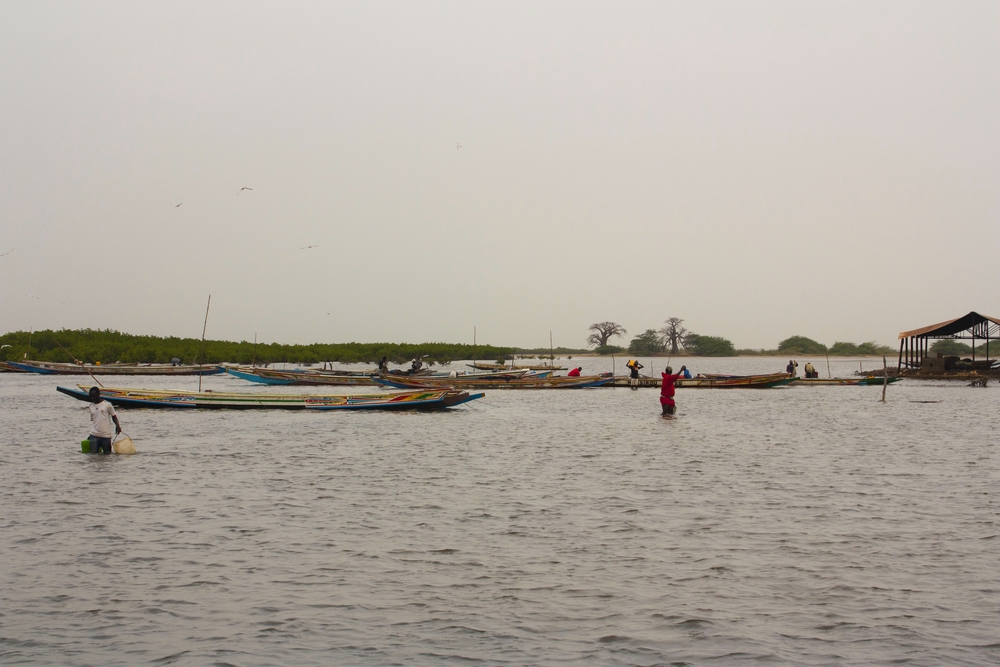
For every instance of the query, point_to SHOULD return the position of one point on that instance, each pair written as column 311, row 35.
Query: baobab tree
column 673, row 334
column 604, row 331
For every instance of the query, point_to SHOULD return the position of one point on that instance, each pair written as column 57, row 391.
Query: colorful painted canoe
column 842, row 382
column 483, row 366
column 716, row 382
column 435, row 399
column 54, row 368
column 301, row 377
column 335, row 378
column 562, row 382
column 6, row 368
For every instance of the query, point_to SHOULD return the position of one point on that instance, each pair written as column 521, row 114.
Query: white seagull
column 309, row 246
column 241, row 190
column 457, row 146
column 177, row 205
column 7, row 253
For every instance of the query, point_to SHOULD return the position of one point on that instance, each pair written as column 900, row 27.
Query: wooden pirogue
column 302, row 377
column 842, row 382
column 433, row 399
column 720, row 382
column 483, row 366
column 55, row 368
column 583, row 382
column 337, row 378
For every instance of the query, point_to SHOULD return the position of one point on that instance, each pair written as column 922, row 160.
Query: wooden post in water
column 202, row 350
column 828, row 373
column 885, row 376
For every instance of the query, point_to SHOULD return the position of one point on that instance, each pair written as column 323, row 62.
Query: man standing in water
column 634, row 366
column 102, row 414
column 667, row 391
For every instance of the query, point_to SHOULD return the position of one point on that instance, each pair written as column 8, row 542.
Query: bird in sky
column 177, row 205
column 7, row 253
column 34, row 297
column 457, row 146
column 309, row 246
column 241, row 190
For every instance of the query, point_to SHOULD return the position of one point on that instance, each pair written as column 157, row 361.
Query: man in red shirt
column 667, row 391
column 575, row 373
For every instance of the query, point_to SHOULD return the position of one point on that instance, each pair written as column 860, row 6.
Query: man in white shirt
column 102, row 415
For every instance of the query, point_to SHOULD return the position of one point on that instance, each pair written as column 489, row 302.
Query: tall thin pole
column 828, row 373
column 202, row 350
column 473, row 347
column 30, row 331
column 253, row 364
column 885, row 376
column 552, row 352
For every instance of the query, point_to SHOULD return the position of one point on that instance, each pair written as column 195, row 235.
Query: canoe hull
column 47, row 368
column 301, row 378
column 437, row 399
column 513, row 383
column 841, row 382
column 716, row 382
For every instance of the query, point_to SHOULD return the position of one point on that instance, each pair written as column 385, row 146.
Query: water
column 796, row 526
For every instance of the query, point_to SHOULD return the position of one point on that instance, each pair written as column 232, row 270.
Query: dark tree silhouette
column 673, row 334
column 604, row 331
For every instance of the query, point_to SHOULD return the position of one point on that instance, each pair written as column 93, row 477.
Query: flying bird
column 457, row 146
column 241, row 190
column 177, row 205
column 34, row 297
column 309, row 246
column 7, row 253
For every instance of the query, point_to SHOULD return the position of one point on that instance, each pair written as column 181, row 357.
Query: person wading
column 633, row 378
column 667, row 391
column 102, row 415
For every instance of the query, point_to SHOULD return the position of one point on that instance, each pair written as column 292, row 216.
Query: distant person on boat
column 667, row 391
column 811, row 371
column 416, row 365
column 633, row 378
column 791, row 368
column 102, row 415
column 685, row 373
column 575, row 373
column 383, row 366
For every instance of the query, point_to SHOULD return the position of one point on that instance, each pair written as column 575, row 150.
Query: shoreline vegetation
column 675, row 340
column 108, row 347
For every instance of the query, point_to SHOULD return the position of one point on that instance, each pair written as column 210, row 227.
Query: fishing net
column 123, row 446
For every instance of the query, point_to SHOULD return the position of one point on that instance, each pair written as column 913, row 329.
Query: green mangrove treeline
column 108, row 347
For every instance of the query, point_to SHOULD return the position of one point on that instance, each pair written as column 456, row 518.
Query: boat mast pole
column 473, row 346
column 253, row 364
column 202, row 350
column 552, row 353
column 82, row 365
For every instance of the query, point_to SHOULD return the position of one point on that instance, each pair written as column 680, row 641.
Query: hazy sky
column 760, row 169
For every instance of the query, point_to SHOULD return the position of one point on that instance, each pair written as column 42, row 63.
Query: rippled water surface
column 798, row 526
